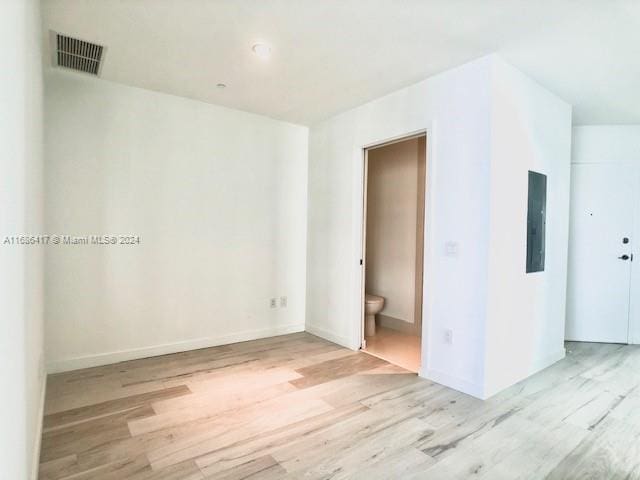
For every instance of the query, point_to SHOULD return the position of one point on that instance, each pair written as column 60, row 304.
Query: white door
column 600, row 253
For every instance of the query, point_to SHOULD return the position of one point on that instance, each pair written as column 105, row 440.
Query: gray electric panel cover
column 536, row 220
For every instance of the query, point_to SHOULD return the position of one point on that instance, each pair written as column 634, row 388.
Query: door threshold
column 388, row 360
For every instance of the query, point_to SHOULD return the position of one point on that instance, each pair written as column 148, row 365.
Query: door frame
column 428, row 237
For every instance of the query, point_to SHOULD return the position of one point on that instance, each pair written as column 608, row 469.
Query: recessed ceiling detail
column 77, row 54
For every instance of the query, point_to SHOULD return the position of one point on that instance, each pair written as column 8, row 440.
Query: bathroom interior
column 395, row 182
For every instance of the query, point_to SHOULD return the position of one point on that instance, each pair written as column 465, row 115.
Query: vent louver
column 77, row 54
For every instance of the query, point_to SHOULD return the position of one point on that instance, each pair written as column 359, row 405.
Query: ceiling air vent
column 77, row 54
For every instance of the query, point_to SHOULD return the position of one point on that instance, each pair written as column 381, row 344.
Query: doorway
column 600, row 253
column 393, row 250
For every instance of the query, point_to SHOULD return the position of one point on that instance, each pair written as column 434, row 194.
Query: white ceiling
column 331, row 55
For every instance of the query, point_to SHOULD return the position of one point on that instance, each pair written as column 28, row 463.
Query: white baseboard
column 479, row 391
column 537, row 366
column 86, row 361
column 548, row 360
column 35, row 460
column 327, row 335
column 459, row 384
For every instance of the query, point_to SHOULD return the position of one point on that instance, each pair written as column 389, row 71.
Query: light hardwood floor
column 299, row 407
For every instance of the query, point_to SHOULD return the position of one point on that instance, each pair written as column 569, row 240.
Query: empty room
column 319, row 239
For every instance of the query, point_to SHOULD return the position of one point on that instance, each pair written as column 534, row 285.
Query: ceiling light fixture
column 221, row 86
column 262, row 50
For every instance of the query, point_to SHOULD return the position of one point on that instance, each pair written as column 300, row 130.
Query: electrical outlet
column 451, row 248
column 448, row 336
column 283, row 302
column 273, row 303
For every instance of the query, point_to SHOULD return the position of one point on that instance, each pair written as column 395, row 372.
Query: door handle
column 624, row 257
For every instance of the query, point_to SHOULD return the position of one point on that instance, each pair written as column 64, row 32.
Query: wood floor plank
column 204, row 406
column 263, row 468
column 228, row 428
column 91, row 434
column 399, row 464
column 340, row 460
column 297, row 406
column 268, row 442
column 612, row 453
column 186, row 470
column 336, row 368
column 450, row 439
column 111, row 406
column 58, row 468
column 310, row 451
column 138, row 468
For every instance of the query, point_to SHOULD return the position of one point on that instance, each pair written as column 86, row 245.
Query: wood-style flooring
column 299, row 407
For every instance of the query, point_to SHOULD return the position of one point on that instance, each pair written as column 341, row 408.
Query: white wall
column 530, row 130
column 218, row 198
column 617, row 144
column 488, row 125
column 392, row 206
column 22, row 373
column 455, row 108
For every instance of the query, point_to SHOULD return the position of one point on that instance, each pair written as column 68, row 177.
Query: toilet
column 372, row 305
